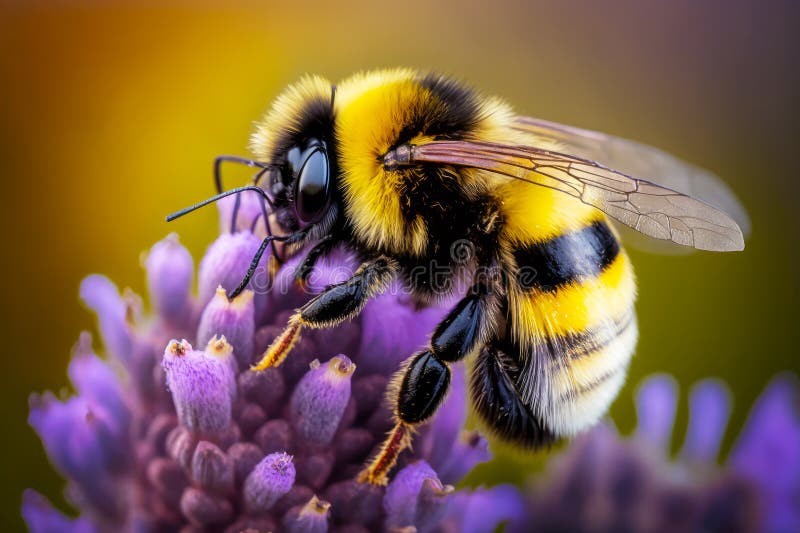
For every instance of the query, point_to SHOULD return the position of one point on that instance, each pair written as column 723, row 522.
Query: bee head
column 296, row 137
column 302, row 187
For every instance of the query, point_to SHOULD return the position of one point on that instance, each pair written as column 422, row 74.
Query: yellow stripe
column 574, row 308
column 583, row 390
column 372, row 111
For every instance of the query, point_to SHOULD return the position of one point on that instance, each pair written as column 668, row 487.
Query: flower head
column 173, row 429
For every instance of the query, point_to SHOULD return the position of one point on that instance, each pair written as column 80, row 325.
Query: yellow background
column 110, row 117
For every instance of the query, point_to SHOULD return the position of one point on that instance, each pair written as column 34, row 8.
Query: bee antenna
column 236, row 159
column 251, row 270
column 218, row 197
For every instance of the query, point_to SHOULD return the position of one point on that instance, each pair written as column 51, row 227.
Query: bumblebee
column 451, row 192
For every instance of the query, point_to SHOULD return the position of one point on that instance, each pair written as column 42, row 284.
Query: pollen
column 179, row 349
column 219, row 346
column 316, row 506
column 341, row 366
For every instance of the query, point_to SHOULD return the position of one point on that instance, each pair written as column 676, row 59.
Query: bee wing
column 636, row 159
column 648, row 208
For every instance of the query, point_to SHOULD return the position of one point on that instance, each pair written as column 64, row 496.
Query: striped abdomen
column 572, row 326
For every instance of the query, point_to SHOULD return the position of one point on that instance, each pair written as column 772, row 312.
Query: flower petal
column 709, row 409
column 170, row 270
column 656, row 400
column 102, row 297
column 768, row 452
column 41, row 517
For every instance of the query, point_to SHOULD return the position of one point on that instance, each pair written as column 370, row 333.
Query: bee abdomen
column 567, row 258
column 573, row 325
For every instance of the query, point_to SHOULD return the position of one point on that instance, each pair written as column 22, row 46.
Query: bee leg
column 420, row 387
column 466, row 326
column 306, row 266
column 499, row 404
column 423, row 386
column 336, row 304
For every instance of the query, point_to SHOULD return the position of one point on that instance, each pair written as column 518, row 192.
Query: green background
column 110, row 117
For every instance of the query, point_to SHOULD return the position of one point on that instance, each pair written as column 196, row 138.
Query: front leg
column 419, row 388
column 306, row 267
column 334, row 305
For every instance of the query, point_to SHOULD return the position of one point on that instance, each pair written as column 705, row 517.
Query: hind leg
column 422, row 384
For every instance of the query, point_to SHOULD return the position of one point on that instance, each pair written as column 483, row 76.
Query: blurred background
column 110, row 117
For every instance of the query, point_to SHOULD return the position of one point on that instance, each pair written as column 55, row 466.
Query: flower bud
column 432, row 503
column 212, row 469
column 402, row 494
column 269, row 480
column 354, row 502
column 91, row 449
column 102, row 297
column 232, row 320
column 202, row 387
column 486, row 509
column 225, row 264
column 167, row 477
column 369, row 392
column 319, row 401
column 159, row 430
column 180, row 445
column 204, row 509
column 220, row 352
column 353, row 445
column 250, row 417
column 469, row 450
column 311, row 518
column 274, row 436
column 265, row 388
column 170, row 271
column 252, row 524
column 245, row 456
column 315, row 469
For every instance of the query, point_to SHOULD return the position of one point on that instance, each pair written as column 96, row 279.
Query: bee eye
column 313, row 187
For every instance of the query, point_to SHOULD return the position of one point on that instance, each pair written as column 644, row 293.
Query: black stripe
column 578, row 345
column 567, row 258
column 603, row 378
column 456, row 110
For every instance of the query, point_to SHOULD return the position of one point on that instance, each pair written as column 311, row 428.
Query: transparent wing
column 636, row 159
column 648, row 208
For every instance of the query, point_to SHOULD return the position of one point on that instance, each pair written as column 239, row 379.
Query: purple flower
column 174, row 430
column 603, row 482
